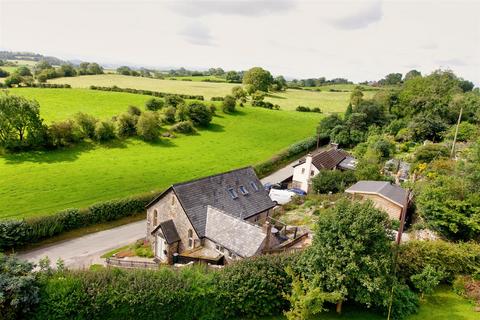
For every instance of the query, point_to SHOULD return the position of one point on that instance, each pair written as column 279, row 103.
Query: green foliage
column 18, row 288
column 405, row 302
column 426, row 127
column 184, row 127
column 452, row 258
column 63, row 133
column 356, row 96
column 105, row 131
column 148, row 126
column 86, row 124
column 369, row 166
column 334, row 181
column 3, row 73
column 466, row 132
column 169, row 114
column 23, row 71
column 126, row 125
column 154, row 104
column 199, row 114
column 351, row 253
column 257, row 79
column 134, row 111
column 170, row 98
column 428, row 279
column 412, row 74
column 67, row 70
column 229, row 103
column 429, row 152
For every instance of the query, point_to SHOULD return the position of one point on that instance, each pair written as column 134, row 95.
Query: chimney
column 267, row 227
column 334, row 145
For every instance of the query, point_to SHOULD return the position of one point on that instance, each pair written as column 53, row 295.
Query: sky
column 357, row 39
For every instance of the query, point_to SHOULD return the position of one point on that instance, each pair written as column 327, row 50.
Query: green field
column 43, row 182
column 288, row 100
column 60, row 104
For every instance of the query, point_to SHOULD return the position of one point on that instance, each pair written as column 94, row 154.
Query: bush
column 430, row 152
column 86, row 124
column 303, row 109
column 169, row 114
column 334, row 181
column 148, row 126
column 149, row 93
column 63, row 133
column 3, row 73
column 228, row 104
column 134, row 111
column 199, row 114
column 154, row 104
column 105, row 131
column 126, row 125
column 16, row 233
column 184, row 127
column 217, row 99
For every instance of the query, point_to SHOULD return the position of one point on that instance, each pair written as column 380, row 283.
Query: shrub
column 174, row 100
column 217, row 99
column 169, row 114
column 126, row 125
column 154, row 104
column 86, row 124
column 3, row 73
column 18, row 288
column 228, row 104
column 184, row 127
column 134, row 111
column 430, row 152
column 148, row 126
column 199, row 114
column 149, row 93
column 63, row 133
column 334, row 181
column 303, row 109
column 212, row 109
column 105, row 131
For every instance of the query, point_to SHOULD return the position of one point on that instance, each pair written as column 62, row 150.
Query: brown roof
column 169, row 231
column 328, row 159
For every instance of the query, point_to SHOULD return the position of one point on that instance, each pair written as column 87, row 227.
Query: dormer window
column 232, row 193
column 243, row 190
column 254, row 186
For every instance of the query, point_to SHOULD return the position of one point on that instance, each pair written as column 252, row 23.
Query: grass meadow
column 327, row 101
column 38, row 183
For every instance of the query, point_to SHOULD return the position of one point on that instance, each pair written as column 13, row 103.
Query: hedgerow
column 17, row 233
column 148, row 92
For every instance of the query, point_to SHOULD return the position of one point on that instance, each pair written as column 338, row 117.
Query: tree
column 428, row 279
column 169, row 114
column 173, row 100
column 466, row 85
column 369, row 167
column 239, row 94
column 351, row 253
column 124, row 70
column 392, row 79
column 427, row 127
column 199, row 114
column 41, row 65
column 62, row 133
column 3, row 73
column 13, row 80
column 94, row 68
column 154, row 104
column 18, row 287
column 412, row 74
column 20, row 121
column 134, row 111
column 258, row 79
column 46, row 74
column 86, row 124
column 67, row 70
column 228, row 104
column 23, row 71
column 278, row 84
column 356, row 96
column 334, row 181
column 148, row 126
column 430, row 152
column 326, row 126
column 233, row 77
column 105, row 131
column 126, row 125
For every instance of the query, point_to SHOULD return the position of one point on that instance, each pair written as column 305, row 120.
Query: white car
column 281, row 196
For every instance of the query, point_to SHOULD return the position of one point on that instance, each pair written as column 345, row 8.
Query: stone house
column 383, row 194
column 212, row 218
column 312, row 164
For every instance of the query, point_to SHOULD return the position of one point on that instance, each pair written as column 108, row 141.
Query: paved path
column 86, row 250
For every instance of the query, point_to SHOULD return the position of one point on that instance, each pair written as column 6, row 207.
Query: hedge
column 250, row 288
column 289, row 154
column 147, row 92
column 17, row 233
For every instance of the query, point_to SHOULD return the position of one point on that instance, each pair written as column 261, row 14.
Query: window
column 219, row 248
column 312, row 173
column 243, row 190
column 254, row 186
column 155, row 214
column 173, row 200
column 190, row 238
column 233, row 193
column 303, row 170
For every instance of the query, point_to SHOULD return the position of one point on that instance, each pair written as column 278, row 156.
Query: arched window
column 155, row 214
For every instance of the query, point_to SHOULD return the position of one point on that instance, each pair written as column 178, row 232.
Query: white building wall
column 302, row 174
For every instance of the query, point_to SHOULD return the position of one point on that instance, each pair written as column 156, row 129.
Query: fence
column 131, row 263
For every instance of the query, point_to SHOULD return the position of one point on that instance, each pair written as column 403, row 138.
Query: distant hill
column 11, row 55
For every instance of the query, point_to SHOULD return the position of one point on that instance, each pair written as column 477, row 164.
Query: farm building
column 383, row 194
column 216, row 219
column 312, row 164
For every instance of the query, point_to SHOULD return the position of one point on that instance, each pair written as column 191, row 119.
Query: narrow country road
column 84, row 251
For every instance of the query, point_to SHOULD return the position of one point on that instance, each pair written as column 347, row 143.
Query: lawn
column 444, row 304
column 37, row 183
column 288, row 100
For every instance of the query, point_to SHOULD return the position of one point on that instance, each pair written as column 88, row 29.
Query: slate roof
column 196, row 195
column 169, row 231
column 327, row 160
column 237, row 235
column 348, row 163
column 390, row 191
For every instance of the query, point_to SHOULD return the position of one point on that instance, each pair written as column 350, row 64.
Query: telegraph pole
column 452, row 153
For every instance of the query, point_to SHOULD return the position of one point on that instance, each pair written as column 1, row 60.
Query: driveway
column 84, row 251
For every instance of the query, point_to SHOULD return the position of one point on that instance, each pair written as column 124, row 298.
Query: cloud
column 361, row 19
column 451, row 62
column 231, row 7
column 197, row 34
